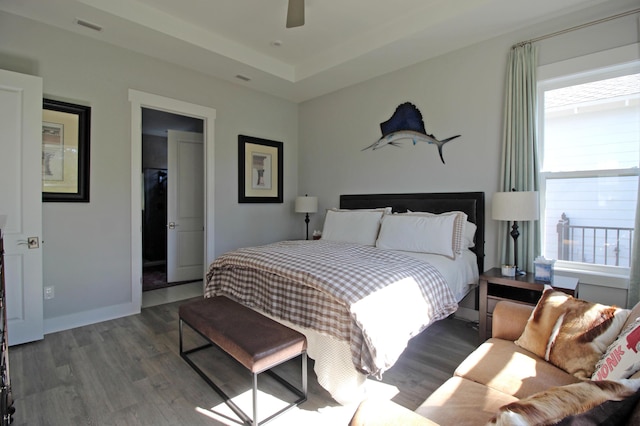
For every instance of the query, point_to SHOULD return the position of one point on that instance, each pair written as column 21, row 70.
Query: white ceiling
column 342, row 43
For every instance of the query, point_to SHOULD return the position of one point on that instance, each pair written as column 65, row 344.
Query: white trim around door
column 141, row 100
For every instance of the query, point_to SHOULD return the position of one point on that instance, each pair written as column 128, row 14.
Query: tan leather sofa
column 497, row 373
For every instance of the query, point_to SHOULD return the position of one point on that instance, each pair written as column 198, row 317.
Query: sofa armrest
column 376, row 412
column 509, row 320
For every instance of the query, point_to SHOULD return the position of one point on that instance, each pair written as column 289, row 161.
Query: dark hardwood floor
column 128, row 372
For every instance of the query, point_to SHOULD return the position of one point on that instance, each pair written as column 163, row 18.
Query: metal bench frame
column 301, row 393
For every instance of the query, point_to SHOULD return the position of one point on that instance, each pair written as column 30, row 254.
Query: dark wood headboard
column 472, row 203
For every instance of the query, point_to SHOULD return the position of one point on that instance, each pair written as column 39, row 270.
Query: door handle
column 172, row 225
column 30, row 242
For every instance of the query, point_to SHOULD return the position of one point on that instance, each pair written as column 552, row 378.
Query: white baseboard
column 67, row 322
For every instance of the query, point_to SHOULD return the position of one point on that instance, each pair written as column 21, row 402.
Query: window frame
column 598, row 66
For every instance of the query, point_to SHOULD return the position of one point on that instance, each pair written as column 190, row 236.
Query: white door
column 185, row 206
column 21, row 202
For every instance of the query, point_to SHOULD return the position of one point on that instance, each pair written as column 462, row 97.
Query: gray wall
column 86, row 250
column 87, row 247
column 458, row 93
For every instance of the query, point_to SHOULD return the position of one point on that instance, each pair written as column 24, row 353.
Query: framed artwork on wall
column 260, row 167
column 66, row 130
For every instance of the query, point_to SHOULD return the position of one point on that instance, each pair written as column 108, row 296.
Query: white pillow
column 418, row 233
column 352, row 226
column 469, row 233
column 460, row 225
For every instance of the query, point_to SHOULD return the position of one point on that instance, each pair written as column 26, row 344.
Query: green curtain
column 634, row 278
column 519, row 150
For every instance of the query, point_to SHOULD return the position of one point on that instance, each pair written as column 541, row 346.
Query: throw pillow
column 570, row 333
column 622, row 358
column 609, row 413
column 555, row 404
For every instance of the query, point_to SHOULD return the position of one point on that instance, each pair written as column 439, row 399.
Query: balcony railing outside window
column 601, row 245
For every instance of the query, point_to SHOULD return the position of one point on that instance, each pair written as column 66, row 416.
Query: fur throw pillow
column 552, row 405
column 570, row 333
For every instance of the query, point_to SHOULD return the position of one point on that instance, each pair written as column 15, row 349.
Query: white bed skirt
column 333, row 365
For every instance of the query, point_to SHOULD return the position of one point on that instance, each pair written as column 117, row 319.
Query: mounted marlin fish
column 406, row 123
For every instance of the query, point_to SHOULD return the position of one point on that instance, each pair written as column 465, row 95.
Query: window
column 589, row 143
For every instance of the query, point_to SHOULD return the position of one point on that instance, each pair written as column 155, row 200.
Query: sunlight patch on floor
column 302, row 414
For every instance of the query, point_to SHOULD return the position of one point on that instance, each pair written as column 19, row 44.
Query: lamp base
column 515, row 234
column 306, row 220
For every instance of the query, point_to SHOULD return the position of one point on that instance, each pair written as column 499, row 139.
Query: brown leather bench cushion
column 257, row 342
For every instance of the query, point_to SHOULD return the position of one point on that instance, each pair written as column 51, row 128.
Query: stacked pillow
column 423, row 233
column 353, row 226
column 446, row 234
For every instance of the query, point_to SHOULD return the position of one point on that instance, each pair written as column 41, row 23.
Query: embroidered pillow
column 560, row 403
column 570, row 333
column 622, row 358
column 460, row 223
column 418, row 233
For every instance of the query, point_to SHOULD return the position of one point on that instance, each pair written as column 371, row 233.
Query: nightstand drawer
column 515, row 294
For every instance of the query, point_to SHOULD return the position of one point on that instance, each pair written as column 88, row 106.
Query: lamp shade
column 515, row 206
column 306, row 204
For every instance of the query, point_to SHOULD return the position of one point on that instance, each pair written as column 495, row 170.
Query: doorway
column 138, row 101
column 157, row 170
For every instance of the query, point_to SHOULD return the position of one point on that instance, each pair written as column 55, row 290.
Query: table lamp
column 515, row 206
column 306, row 205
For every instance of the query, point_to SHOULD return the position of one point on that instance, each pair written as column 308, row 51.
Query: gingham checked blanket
column 374, row 299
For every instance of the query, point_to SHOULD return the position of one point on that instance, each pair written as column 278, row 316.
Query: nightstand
column 521, row 289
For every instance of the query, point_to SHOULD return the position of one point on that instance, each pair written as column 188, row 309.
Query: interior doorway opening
column 155, row 175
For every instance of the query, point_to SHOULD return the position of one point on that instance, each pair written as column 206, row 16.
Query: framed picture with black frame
column 66, row 130
column 260, row 164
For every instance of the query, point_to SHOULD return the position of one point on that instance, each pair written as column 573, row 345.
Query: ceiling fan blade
column 295, row 13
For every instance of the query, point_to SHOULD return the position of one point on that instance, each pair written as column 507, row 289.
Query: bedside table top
column 494, row 275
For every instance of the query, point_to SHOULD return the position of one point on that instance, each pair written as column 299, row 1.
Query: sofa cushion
column 505, row 367
column 382, row 412
column 571, row 333
column 622, row 358
column 558, row 403
column 463, row 402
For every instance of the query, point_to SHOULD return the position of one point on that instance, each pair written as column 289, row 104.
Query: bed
column 370, row 284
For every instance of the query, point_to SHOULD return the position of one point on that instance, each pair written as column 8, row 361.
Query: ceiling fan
column 295, row 13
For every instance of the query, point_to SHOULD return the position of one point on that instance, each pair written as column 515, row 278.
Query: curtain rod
column 578, row 27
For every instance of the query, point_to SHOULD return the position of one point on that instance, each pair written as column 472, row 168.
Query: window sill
column 611, row 279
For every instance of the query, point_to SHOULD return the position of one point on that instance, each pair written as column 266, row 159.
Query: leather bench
column 255, row 341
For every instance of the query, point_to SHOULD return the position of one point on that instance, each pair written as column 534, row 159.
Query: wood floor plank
column 128, row 372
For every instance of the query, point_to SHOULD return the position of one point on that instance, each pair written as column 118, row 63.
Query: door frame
column 139, row 100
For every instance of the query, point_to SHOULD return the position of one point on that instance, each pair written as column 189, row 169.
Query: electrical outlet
column 49, row 293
